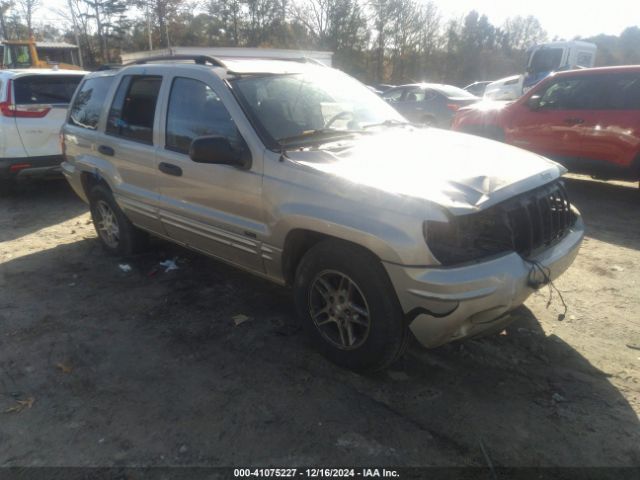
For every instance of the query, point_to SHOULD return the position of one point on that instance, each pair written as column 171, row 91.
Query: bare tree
column 522, row 32
column 28, row 8
column 4, row 8
column 163, row 12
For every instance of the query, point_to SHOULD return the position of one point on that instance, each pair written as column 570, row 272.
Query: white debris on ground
column 169, row 265
column 239, row 319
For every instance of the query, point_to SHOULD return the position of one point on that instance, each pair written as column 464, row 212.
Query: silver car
column 299, row 174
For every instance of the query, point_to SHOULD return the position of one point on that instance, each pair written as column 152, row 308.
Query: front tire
column 348, row 307
column 116, row 233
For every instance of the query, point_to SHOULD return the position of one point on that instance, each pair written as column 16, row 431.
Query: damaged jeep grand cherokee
column 298, row 173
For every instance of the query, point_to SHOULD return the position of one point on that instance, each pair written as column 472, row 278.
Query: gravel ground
column 205, row 365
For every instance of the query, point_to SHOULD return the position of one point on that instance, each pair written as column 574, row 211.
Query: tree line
column 378, row 41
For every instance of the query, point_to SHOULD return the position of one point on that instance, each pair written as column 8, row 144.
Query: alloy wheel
column 107, row 224
column 339, row 310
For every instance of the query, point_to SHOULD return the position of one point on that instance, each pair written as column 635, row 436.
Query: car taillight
column 18, row 166
column 453, row 107
column 24, row 111
column 9, row 109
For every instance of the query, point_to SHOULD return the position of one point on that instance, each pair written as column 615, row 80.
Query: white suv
column 33, row 106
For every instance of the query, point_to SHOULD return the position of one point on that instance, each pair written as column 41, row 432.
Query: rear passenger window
column 623, row 92
column 196, row 110
column 89, row 101
column 134, row 107
column 45, row 89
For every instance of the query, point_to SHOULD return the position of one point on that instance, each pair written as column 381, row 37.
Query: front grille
column 525, row 223
column 539, row 218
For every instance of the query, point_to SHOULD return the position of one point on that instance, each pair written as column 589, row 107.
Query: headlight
column 468, row 238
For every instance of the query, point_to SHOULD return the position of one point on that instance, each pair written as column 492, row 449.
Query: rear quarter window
column 45, row 89
column 89, row 101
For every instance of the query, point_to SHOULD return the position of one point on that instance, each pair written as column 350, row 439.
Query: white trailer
column 320, row 56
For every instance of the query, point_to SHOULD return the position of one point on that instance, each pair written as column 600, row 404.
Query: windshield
column 546, row 60
column 291, row 107
column 16, row 56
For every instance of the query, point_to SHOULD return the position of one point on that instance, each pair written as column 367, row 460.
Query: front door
column 552, row 127
column 213, row 208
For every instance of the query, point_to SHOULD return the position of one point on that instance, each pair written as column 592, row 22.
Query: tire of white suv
column 116, row 233
column 348, row 307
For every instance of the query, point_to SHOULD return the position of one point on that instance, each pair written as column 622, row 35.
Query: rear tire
column 116, row 233
column 348, row 307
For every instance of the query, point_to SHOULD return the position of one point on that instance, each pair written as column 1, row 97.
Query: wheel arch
column 91, row 179
column 300, row 240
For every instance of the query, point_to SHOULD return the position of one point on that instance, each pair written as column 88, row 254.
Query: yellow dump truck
column 32, row 54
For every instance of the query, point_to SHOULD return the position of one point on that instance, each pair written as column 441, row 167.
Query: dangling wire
column 533, row 282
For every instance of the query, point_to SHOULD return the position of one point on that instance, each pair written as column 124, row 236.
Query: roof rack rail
column 198, row 59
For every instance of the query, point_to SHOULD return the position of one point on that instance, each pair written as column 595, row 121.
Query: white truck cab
column 541, row 61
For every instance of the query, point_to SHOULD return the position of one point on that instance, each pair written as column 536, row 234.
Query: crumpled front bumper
column 445, row 304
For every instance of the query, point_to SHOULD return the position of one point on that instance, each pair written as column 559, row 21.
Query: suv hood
column 460, row 172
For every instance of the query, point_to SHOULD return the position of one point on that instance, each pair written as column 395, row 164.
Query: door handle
column 574, row 121
column 170, row 169
column 106, row 150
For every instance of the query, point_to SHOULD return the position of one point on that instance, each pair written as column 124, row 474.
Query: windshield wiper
column 320, row 134
column 390, row 123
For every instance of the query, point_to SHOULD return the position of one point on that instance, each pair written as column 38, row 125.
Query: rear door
column 610, row 129
column 40, row 106
column 127, row 145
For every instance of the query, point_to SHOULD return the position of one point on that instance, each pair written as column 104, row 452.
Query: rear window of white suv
column 39, row 89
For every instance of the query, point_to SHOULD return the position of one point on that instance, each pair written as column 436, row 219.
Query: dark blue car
column 429, row 103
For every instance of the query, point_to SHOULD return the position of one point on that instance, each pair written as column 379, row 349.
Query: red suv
column 588, row 120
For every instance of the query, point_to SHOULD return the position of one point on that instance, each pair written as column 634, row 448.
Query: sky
column 563, row 18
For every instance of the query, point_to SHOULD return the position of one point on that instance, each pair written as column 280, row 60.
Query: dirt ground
column 102, row 367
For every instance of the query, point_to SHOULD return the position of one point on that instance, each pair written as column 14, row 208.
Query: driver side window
column 195, row 110
column 416, row 95
column 394, row 95
column 571, row 94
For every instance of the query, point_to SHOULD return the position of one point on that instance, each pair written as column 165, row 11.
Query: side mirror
column 217, row 149
column 534, row 102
